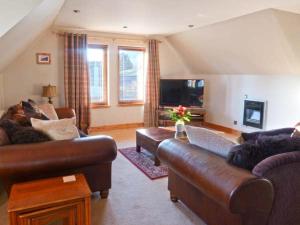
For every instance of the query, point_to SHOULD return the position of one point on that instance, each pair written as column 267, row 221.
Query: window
column 131, row 75
column 97, row 62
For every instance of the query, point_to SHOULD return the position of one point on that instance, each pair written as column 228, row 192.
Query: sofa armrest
column 64, row 113
column 283, row 171
column 234, row 188
column 45, row 157
column 271, row 163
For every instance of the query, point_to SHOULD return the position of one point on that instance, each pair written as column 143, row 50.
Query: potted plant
column 180, row 115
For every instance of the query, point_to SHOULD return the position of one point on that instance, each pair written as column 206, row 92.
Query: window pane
column 96, row 73
column 131, row 63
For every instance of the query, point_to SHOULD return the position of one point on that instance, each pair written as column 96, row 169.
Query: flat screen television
column 181, row 92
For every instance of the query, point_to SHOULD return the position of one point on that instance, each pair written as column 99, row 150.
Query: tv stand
column 164, row 120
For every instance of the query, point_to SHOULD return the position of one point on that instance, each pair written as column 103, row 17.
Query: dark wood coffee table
column 150, row 138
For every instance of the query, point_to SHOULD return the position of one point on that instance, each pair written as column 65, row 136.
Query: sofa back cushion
column 209, row 140
column 63, row 129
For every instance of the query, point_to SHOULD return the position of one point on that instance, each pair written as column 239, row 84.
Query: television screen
column 181, row 92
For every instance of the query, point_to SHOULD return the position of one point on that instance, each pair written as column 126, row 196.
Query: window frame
column 131, row 102
column 103, row 104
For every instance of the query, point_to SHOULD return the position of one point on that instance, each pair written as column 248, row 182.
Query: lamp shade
column 49, row 91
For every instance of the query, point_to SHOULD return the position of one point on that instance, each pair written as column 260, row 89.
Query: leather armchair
column 222, row 194
column 91, row 156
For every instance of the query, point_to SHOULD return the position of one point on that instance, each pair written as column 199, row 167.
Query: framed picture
column 43, row 58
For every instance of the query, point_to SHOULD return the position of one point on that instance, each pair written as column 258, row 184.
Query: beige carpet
column 134, row 199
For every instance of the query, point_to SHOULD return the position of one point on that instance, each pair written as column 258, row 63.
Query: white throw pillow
column 57, row 129
column 209, row 140
column 48, row 110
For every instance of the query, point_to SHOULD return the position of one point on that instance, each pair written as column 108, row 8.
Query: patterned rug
column 144, row 161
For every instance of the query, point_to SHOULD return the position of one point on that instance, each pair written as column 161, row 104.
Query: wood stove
column 254, row 113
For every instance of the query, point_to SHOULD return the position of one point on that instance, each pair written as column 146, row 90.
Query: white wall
column 171, row 63
column 225, row 94
column 24, row 78
column 1, row 93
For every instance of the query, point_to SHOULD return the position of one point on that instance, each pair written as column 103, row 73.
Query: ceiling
column 159, row 17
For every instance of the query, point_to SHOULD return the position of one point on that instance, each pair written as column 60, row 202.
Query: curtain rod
column 62, row 34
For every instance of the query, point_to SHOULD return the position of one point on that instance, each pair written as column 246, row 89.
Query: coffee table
column 150, row 138
column 65, row 200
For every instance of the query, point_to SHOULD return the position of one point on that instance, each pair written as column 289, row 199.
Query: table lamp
column 49, row 92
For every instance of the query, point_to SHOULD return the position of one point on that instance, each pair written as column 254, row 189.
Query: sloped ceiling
column 11, row 12
column 23, row 33
column 265, row 42
column 159, row 17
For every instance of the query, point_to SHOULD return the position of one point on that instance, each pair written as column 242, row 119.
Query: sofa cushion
column 49, row 111
column 63, row 129
column 209, row 140
column 249, row 154
column 296, row 132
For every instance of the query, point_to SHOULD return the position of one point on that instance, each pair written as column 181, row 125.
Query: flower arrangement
column 180, row 114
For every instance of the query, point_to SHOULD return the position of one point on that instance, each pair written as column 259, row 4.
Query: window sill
column 99, row 106
column 125, row 104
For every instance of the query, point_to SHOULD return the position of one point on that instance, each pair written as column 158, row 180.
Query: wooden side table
column 50, row 201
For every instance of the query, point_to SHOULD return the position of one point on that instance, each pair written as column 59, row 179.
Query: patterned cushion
column 48, row 110
column 57, row 129
column 209, row 140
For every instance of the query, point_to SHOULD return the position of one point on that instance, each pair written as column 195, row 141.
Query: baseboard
column 221, row 128
column 115, row 127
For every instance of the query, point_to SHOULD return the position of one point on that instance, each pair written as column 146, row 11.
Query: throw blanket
column 18, row 134
column 249, row 154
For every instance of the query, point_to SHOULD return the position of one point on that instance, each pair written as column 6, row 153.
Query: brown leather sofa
column 91, row 156
column 222, row 194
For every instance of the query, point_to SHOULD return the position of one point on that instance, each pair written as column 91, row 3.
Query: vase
column 179, row 126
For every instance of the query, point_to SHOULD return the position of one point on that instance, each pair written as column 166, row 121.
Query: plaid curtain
column 152, row 86
column 77, row 94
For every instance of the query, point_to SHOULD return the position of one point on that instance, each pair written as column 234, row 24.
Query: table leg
column 138, row 148
column 156, row 161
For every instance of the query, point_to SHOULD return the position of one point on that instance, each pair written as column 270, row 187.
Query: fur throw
column 22, row 112
column 249, row 154
column 18, row 134
column 17, row 114
column 253, row 136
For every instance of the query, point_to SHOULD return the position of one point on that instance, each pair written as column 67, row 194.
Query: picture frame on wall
column 43, row 58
